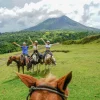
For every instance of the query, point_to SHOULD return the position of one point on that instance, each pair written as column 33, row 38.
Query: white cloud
column 32, row 13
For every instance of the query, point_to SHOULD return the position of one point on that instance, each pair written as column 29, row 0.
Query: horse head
column 49, row 88
column 9, row 60
column 12, row 58
column 29, row 66
column 48, row 59
column 48, row 56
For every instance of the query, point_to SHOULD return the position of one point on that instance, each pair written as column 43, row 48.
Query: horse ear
column 10, row 57
column 27, row 79
column 63, row 82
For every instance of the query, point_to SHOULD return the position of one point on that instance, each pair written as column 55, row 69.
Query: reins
column 47, row 88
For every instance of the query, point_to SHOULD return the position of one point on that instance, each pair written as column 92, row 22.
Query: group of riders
column 40, row 56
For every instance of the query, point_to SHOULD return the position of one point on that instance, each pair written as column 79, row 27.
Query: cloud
column 89, row 10
column 1, row 24
column 27, row 13
column 86, row 14
column 21, row 18
column 94, row 4
column 76, row 12
column 99, row 13
column 19, row 3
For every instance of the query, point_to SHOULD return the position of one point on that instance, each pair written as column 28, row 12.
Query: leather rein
column 47, row 88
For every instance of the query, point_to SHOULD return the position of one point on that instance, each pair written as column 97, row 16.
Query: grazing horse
column 35, row 60
column 18, row 60
column 49, row 88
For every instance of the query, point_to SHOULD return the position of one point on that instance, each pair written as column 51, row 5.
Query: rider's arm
column 43, row 40
column 31, row 41
column 54, row 44
column 16, row 44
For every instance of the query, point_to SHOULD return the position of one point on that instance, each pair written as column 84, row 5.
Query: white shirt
column 35, row 47
column 48, row 46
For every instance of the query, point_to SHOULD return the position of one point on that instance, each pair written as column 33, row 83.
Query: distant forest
column 7, row 39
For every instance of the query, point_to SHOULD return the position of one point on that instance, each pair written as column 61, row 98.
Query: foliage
column 83, row 41
column 6, row 39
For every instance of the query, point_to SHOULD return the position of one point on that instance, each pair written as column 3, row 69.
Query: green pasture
column 82, row 60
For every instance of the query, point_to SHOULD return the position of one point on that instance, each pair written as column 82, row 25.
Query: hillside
column 85, row 40
column 60, row 23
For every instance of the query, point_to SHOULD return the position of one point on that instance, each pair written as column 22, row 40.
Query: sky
column 16, row 15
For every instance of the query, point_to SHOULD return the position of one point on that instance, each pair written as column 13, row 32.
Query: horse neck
column 35, row 57
column 15, row 60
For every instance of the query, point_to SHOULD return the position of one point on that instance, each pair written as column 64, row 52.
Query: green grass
column 83, row 60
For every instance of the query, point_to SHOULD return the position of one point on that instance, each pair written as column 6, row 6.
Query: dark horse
column 20, row 62
column 49, row 88
column 35, row 60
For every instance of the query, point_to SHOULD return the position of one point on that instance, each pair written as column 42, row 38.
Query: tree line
column 7, row 39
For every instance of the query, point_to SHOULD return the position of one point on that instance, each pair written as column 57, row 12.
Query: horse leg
column 37, row 68
column 18, row 68
column 23, row 69
column 33, row 68
column 48, row 67
column 45, row 68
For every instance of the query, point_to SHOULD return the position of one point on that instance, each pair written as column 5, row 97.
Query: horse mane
column 50, row 78
column 15, row 57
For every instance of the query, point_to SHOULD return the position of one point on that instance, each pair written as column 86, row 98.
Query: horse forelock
column 50, row 78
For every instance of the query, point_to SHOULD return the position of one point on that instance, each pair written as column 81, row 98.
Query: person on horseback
column 47, row 51
column 35, row 49
column 24, row 48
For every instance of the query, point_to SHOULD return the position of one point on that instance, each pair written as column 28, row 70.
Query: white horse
column 49, row 60
column 34, row 61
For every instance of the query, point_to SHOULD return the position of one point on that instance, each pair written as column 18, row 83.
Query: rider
column 48, row 46
column 24, row 50
column 35, row 48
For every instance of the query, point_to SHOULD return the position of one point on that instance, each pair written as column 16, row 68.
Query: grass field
column 82, row 60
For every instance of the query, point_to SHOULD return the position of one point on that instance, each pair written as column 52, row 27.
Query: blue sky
column 16, row 15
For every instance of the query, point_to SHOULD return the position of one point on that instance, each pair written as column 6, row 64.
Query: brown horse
column 49, row 88
column 18, row 60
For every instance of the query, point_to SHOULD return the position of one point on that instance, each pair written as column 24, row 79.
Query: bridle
column 47, row 88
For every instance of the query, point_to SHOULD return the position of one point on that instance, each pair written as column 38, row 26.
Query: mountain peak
column 63, row 16
column 60, row 23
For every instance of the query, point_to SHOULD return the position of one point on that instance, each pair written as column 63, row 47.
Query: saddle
column 22, row 58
